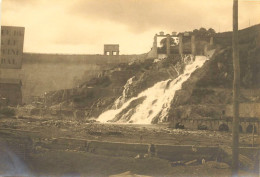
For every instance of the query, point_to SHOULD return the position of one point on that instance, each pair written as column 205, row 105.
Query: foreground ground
column 71, row 163
column 131, row 133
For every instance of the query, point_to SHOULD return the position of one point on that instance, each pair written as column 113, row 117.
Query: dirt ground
column 85, row 164
column 68, row 163
column 131, row 133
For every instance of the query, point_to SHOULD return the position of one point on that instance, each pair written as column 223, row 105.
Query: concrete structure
column 180, row 45
column 11, row 47
column 216, row 124
column 193, row 45
column 168, row 45
column 154, row 52
column 10, row 92
column 47, row 72
column 211, row 42
column 111, row 49
column 155, row 46
column 25, row 146
column 40, row 73
column 12, row 39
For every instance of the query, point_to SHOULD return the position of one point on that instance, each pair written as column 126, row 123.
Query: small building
column 11, row 91
column 12, row 39
column 111, row 49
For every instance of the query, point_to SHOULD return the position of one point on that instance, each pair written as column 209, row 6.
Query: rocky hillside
column 100, row 93
column 204, row 95
column 209, row 90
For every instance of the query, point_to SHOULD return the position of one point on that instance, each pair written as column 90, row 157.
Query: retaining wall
column 23, row 147
column 214, row 124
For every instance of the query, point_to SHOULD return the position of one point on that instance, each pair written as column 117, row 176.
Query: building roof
column 111, row 44
column 10, row 81
column 12, row 27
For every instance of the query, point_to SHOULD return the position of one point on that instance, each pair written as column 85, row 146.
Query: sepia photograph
column 130, row 88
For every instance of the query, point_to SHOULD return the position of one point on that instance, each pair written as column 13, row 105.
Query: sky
column 84, row 26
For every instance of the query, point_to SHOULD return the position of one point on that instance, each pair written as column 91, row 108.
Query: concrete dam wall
column 48, row 72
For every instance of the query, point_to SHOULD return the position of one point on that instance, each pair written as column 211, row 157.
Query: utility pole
column 0, row 34
column 236, row 90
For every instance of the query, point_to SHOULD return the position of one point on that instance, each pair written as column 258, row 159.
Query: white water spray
column 153, row 103
column 121, row 100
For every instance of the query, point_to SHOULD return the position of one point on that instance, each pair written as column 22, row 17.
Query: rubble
column 219, row 165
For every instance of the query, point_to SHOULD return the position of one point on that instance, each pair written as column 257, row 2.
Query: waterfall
column 121, row 100
column 153, row 104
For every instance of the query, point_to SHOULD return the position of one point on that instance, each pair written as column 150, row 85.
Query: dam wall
column 29, row 58
column 42, row 73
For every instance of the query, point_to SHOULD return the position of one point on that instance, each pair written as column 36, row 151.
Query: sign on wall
column 12, row 39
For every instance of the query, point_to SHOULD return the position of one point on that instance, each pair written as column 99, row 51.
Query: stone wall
column 224, row 124
column 25, row 144
column 118, row 149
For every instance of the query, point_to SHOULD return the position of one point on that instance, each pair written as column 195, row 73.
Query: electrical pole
column 236, row 90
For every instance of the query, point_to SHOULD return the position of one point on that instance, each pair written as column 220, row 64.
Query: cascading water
column 153, row 103
column 121, row 100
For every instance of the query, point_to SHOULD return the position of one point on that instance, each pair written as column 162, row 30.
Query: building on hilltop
column 111, row 49
column 12, row 40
